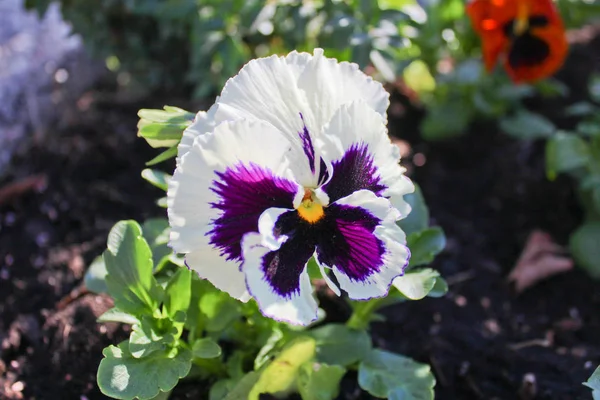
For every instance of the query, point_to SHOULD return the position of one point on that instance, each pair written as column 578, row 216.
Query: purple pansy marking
column 307, row 145
column 354, row 250
column 355, row 171
column 344, row 237
column 245, row 192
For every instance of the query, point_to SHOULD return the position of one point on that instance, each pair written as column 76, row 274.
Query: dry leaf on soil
column 541, row 258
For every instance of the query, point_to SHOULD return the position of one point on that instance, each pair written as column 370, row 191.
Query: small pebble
column 10, row 218
column 485, row 302
column 528, row 388
column 419, row 159
column 492, row 326
column 464, row 368
column 17, row 386
column 579, row 352
column 38, row 261
column 42, row 239
column 460, row 301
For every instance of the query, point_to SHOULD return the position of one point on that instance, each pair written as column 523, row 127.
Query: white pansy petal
column 298, row 62
column 328, row 281
column 278, row 280
column 329, row 84
column 265, row 89
column 368, row 250
column 221, row 187
column 357, row 144
column 266, row 227
column 204, row 122
column 226, row 277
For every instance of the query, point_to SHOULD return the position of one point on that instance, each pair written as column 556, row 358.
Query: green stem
column 363, row 313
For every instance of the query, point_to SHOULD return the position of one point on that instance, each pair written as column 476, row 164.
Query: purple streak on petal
column 349, row 242
column 307, row 145
column 244, row 192
column 323, row 173
column 353, row 172
column 282, row 268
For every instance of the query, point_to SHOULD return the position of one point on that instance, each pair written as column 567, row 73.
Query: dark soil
column 487, row 191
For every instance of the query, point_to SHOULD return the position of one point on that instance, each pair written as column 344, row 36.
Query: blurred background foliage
column 425, row 47
column 192, row 47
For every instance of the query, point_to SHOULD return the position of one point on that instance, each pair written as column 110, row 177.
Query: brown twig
column 13, row 190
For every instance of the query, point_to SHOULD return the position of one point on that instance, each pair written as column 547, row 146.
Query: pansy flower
column 292, row 161
column 527, row 36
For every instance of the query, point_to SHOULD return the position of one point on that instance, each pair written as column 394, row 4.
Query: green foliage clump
column 182, row 327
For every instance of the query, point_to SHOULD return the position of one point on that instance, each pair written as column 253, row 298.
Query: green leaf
column 588, row 128
column 511, row 92
column 122, row 376
column 594, row 381
column 157, row 178
column 116, row 315
column 219, row 309
column 446, row 120
column 439, row 289
column 95, row 277
column 178, row 292
column 418, row 218
column 596, row 199
column 417, row 77
column 468, row 72
column 164, row 156
column 339, row 345
column 268, row 348
column 319, row 381
column 206, row 348
column 585, row 249
column 280, row 375
column 565, row 152
column 581, row 109
column 416, row 284
column 594, row 88
column 162, row 396
column 552, row 88
column 527, row 125
column 241, row 391
column 219, row 389
column 156, row 232
column 163, row 128
column 425, row 245
column 194, row 317
column 146, row 338
column 128, row 261
column 385, row 374
column 162, row 202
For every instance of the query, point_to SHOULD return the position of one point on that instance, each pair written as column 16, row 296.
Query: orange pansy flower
column 528, row 36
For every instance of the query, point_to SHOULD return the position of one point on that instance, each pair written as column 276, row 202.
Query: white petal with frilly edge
column 189, row 197
column 299, row 309
column 204, row 122
column 225, row 276
column 277, row 89
column 357, row 123
column 329, row 84
column 395, row 257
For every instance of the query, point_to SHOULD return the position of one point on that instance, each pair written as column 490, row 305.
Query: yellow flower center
column 310, row 209
column 522, row 21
